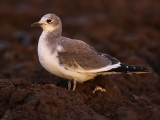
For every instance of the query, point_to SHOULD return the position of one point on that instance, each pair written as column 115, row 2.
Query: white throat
column 50, row 28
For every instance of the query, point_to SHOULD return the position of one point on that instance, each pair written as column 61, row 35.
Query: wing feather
column 78, row 56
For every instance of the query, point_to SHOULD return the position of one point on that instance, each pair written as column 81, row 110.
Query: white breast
column 51, row 62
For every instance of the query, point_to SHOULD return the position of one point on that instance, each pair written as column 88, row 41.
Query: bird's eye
column 49, row 21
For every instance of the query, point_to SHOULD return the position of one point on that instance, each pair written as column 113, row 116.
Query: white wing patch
column 104, row 69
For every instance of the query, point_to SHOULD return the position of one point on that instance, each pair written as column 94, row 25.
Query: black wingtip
column 129, row 69
column 145, row 69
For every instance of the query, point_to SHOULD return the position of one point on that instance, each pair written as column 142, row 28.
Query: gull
column 74, row 59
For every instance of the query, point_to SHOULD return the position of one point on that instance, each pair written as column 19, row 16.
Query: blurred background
column 126, row 29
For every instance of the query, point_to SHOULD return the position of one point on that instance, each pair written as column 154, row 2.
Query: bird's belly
column 52, row 64
column 55, row 68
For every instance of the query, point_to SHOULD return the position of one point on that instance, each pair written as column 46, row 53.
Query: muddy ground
column 128, row 30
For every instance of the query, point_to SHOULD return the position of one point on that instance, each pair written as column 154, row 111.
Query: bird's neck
column 51, row 36
column 50, row 40
column 53, row 31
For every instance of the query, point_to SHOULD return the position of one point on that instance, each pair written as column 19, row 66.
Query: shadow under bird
column 74, row 59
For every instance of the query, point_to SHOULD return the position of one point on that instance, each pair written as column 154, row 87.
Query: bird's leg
column 74, row 85
column 69, row 84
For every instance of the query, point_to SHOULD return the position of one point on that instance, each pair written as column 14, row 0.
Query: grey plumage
column 74, row 59
column 76, row 53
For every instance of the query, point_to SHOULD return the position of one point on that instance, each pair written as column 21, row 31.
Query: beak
column 36, row 24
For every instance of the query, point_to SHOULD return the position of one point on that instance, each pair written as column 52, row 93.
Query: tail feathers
column 129, row 69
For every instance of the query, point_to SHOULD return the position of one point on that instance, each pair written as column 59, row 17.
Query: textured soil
column 128, row 30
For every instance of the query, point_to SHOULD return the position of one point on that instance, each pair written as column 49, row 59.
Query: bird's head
column 49, row 22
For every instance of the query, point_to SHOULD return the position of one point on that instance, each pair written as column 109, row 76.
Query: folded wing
column 78, row 56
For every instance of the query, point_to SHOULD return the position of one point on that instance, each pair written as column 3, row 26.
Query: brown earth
column 128, row 30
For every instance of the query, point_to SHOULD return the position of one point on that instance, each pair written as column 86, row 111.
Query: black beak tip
column 35, row 24
column 31, row 25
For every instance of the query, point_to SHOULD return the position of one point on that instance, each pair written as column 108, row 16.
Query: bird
column 74, row 59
